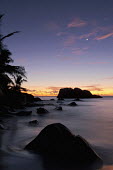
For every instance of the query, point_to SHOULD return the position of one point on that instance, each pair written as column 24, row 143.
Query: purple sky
column 63, row 43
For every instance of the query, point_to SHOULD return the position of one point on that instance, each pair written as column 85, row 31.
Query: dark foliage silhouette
column 11, row 77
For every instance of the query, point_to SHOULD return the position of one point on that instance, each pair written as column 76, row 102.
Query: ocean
column 91, row 118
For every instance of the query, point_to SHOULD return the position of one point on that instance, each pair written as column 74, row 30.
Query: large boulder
column 55, row 140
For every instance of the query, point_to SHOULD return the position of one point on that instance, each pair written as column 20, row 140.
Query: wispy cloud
column 104, row 36
column 90, row 34
column 53, row 90
column 106, row 31
column 93, row 88
column 79, row 51
column 70, row 40
column 77, row 22
column 61, row 33
column 28, row 90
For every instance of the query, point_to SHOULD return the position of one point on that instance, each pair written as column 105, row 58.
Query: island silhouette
column 75, row 93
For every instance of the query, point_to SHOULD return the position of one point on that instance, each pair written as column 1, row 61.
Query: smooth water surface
column 92, row 119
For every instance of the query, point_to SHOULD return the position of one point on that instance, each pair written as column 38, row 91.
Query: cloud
column 54, row 88
column 104, row 36
column 93, row 33
column 105, row 30
column 93, row 88
column 28, row 90
column 70, row 41
column 77, row 22
column 61, row 33
column 79, row 51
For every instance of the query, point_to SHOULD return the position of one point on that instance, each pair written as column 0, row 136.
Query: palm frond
column 8, row 35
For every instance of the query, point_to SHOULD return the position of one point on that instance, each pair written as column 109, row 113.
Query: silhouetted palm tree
column 8, row 72
column 18, row 82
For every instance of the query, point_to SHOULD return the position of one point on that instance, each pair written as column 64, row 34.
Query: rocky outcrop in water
column 59, row 108
column 36, row 99
column 42, row 110
column 33, row 122
column 75, row 93
column 55, row 140
column 72, row 104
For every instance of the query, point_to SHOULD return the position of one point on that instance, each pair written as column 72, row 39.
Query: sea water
column 91, row 118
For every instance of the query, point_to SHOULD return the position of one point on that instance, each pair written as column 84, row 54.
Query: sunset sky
column 62, row 43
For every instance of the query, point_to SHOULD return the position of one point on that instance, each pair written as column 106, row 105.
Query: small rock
column 59, row 108
column 42, row 110
column 72, row 104
column 78, row 99
column 33, row 122
column 60, row 99
column 52, row 99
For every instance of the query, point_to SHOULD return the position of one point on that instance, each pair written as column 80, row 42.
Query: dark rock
column 77, row 99
column 28, row 97
column 52, row 99
column 59, row 108
column 72, row 104
column 75, row 93
column 18, row 99
column 97, row 96
column 42, row 110
column 36, row 99
column 57, row 141
column 24, row 113
column 33, row 122
column 60, row 99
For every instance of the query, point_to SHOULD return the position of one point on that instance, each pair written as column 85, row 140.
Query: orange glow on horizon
column 50, row 92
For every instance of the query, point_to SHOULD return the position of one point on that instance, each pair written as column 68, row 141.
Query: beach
column 91, row 118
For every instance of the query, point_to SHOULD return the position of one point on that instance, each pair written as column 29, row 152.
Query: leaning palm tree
column 8, row 72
